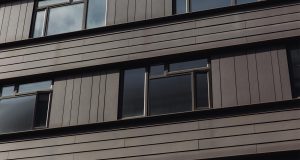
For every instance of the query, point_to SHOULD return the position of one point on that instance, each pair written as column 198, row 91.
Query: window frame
column 188, row 6
column 36, row 93
column 191, row 72
column 47, row 9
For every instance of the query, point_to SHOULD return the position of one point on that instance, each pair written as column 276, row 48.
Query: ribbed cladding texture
column 85, row 98
column 194, row 140
column 251, row 77
column 153, row 40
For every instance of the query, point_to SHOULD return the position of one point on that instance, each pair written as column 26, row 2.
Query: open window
column 24, row 106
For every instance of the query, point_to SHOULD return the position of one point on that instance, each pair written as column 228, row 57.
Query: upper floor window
column 294, row 53
column 24, row 106
column 185, row 6
column 165, row 88
column 62, row 16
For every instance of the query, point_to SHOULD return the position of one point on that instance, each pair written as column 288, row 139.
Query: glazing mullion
column 188, row 6
column 46, row 19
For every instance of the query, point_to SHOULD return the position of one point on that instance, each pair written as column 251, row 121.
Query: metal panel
column 111, row 96
column 168, row 7
column 13, row 22
column 58, row 101
column 265, row 76
column 121, row 11
column 253, row 80
column 284, row 73
column 102, row 94
column 276, row 74
column 68, row 101
column 242, row 80
column 95, row 98
column 5, row 22
column 21, row 21
column 85, row 99
column 131, row 10
column 158, row 8
column 149, row 9
column 216, row 83
column 140, row 13
column 111, row 12
column 28, row 19
column 228, row 82
column 76, row 100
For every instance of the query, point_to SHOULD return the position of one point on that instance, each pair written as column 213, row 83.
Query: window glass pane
column 157, row 70
column 43, row 3
column 96, row 13
column 245, row 1
column 41, row 110
column 133, row 92
column 37, row 86
column 200, row 5
column 164, row 97
column 295, row 59
column 16, row 114
column 180, row 6
column 65, row 19
column 39, row 24
column 8, row 91
column 188, row 65
column 201, row 90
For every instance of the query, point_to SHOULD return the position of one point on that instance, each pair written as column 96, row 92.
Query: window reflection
column 200, row 5
column 39, row 24
column 8, row 91
column 164, row 97
column 295, row 70
column 31, row 87
column 43, row 3
column 96, row 13
column 65, row 19
column 188, row 65
column 201, row 90
column 41, row 110
column 245, row 1
column 181, row 6
column 16, row 114
column 157, row 70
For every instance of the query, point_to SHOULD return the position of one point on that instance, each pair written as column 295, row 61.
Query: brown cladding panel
column 2, row 9
column 58, row 101
column 85, row 99
column 242, row 80
column 253, row 80
column 158, row 8
column 111, row 96
column 284, row 74
column 28, row 19
column 21, row 20
column 131, row 10
column 95, row 98
column 140, row 13
column 168, row 7
column 228, row 83
column 111, row 12
column 76, row 100
column 68, row 101
column 121, row 11
column 102, row 94
column 13, row 22
column 216, row 82
column 5, row 22
column 276, row 75
column 265, row 76
column 149, row 9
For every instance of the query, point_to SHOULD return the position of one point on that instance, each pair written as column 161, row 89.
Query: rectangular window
column 165, row 88
column 185, row 6
column 24, row 106
column 62, row 16
column 294, row 54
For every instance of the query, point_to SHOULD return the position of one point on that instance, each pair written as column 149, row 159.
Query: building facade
column 149, row 79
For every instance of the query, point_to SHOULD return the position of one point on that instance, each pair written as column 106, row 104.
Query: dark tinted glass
column 8, row 91
column 295, row 64
column 245, row 1
column 43, row 3
column 188, row 65
column 39, row 24
column 157, row 70
column 96, row 13
column 201, row 90
column 180, row 6
column 65, row 19
column 200, row 5
column 37, row 86
column 133, row 92
column 170, row 95
column 41, row 110
column 16, row 114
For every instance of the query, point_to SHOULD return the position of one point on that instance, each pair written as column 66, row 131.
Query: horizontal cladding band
column 155, row 120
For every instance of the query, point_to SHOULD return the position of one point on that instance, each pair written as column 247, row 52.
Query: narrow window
column 200, row 5
column 180, row 6
column 244, row 1
column 294, row 53
column 96, row 13
column 8, row 91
